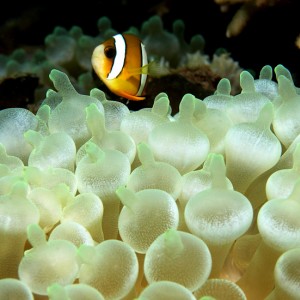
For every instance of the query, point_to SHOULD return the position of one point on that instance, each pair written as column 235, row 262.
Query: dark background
column 269, row 37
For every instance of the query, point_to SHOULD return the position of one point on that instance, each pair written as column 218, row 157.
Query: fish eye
column 110, row 52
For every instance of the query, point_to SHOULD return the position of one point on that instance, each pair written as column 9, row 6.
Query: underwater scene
column 150, row 150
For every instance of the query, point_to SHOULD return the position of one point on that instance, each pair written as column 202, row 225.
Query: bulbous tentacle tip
column 62, row 83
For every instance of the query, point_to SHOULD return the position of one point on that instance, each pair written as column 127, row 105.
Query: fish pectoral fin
column 155, row 69
column 137, row 71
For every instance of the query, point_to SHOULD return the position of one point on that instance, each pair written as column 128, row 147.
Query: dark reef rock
column 18, row 91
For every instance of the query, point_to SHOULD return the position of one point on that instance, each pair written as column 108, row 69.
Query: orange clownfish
column 121, row 63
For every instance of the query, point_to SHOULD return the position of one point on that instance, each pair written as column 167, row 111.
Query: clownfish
column 121, row 63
